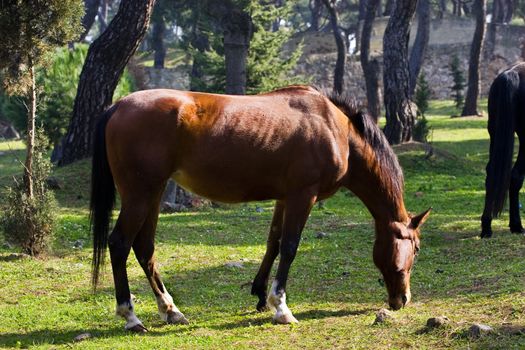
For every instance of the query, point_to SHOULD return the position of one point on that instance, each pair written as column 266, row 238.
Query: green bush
column 59, row 82
column 29, row 222
column 459, row 82
column 421, row 129
column 422, row 94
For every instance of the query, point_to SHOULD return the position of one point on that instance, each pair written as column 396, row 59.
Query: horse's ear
column 420, row 219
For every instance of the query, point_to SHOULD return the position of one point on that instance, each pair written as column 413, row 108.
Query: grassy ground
column 333, row 288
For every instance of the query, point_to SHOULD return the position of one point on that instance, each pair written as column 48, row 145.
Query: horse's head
column 395, row 249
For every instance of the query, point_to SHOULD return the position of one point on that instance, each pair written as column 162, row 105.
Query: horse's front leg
column 297, row 209
column 260, row 283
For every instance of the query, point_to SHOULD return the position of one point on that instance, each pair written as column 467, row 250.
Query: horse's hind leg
column 516, row 182
column 144, row 247
column 260, row 283
column 129, row 222
column 297, row 209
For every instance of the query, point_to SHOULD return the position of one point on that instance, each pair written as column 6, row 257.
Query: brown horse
column 294, row 145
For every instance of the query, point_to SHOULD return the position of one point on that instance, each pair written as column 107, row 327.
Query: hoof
column 176, row 318
column 287, row 318
column 262, row 306
column 138, row 328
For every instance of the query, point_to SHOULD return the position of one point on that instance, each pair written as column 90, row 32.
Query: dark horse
column 506, row 117
column 294, row 145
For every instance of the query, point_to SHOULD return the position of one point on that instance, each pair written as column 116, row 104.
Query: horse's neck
column 384, row 203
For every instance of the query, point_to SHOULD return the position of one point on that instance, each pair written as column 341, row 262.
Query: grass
column 333, row 287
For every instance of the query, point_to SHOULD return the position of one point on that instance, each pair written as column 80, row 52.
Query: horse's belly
column 220, row 188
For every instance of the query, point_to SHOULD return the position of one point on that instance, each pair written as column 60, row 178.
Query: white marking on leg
column 126, row 310
column 165, row 303
column 277, row 301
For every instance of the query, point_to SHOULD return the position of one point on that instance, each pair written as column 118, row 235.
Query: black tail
column 102, row 194
column 501, row 126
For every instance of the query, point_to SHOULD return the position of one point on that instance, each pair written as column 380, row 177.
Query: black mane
column 386, row 158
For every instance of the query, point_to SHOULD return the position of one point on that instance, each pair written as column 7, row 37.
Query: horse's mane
column 387, row 162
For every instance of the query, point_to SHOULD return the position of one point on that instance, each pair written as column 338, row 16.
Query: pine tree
column 422, row 94
column 459, row 83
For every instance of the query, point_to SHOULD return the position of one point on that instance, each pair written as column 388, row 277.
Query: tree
column 400, row 110
column 370, row 67
column 341, row 47
column 316, row 10
column 157, row 34
column 107, row 57
column 31, row 30
column 91, row 10
column 459, row 82
column 238, row 30
column 471, row 100
column 417, row 55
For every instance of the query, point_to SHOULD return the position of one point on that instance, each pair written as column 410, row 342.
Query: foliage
column 459, row 82
column 422, row 94
column 29, row 222
column 58, row 82
column 267, row 69
column 421, row 129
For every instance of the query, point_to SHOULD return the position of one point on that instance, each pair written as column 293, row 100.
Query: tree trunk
column 200, row 41
column 442, row 9
column 400, row 110
column 157, row 41
column 370, row 68
column 238, row 29
column 339, row 71
column 316, row 10
column 389, row 7
column 471, row 100
column 106, row 59
column 91, row 8
column 103, row 15
column 417, row 55
column 31, row 116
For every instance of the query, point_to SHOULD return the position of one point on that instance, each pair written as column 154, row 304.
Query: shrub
column 459, row 82
column 29, row 222
column 421, row 129
column 422, row 94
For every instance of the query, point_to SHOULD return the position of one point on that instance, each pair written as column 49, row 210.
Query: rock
column 168, row 207
column 53, row 183
column 259, row 209
column 7, row 245
column 436, row 322
column 2, row 154
column 17, row 256
column 383, row 315
column 477, row 330
column 234, row 264
column 439, row 271
column 321, row 235
column 419, row 194
column 78, row 244
column 82, row 336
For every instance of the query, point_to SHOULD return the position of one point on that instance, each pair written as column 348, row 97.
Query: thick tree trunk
column 339, row 71
column 389, row 7
column 200, row 41
column 31, row 116
column 370, row 68
column 400, row 110
column 106, row 59
column 417, row 55
column 91, row 8
column 157, row 41
column 316, row 10
column 238, row 29
column 471, row 100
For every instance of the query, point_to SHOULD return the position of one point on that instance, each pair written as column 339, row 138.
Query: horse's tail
column 102, row 194
column 502, row 107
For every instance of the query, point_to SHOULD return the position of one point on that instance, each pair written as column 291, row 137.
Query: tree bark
column 316, row 10
column 400, row 110
column 417, row 55
column 339, row 71
column 106, row 59
column 157, row 40
column 471, row 100
column 389, row 7
column 31, row 116
column 91, row 8
column 370, row 68
column 238, row 29
column 103, row 15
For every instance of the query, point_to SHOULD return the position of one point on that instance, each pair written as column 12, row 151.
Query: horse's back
column 231, row 148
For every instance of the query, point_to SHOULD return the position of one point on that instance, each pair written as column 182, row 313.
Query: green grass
column 333, row 287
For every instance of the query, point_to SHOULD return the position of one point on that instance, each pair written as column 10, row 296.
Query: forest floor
column 333, row 288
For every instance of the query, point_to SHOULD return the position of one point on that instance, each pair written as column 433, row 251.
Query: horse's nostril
column 404, row 299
